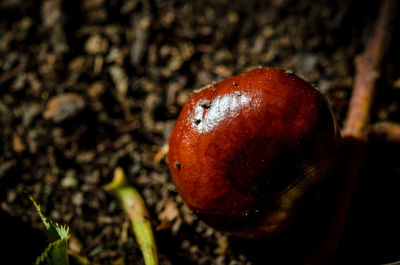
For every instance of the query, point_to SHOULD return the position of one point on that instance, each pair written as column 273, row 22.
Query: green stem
column 135, row 208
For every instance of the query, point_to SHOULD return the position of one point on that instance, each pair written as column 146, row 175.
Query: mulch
column 88, row 85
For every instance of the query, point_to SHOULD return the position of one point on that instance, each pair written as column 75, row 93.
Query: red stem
column 368, row 66
column 355, row 132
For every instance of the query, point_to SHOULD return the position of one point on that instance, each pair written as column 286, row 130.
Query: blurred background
column 89, row 85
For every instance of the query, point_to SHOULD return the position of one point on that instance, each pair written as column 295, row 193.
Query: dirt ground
column 89, row 85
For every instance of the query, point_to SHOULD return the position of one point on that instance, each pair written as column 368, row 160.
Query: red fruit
column 246, row 151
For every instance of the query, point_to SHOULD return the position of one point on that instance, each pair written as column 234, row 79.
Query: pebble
column 96, row 44
column 140, row 31
column 396, row 83
column 69, row 181
column 64, row 106
column 77, row 199
column 307, row 62
column 93, row 4
column 11, row 196
column 18, row 145
column 29, row 113
column 120, row 79
column 77, row 64
column 6, row 166
column 85, row 157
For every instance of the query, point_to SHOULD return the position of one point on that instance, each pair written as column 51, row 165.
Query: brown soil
column 89, row 85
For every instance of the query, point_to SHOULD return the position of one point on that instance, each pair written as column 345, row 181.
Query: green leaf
column 56, row 253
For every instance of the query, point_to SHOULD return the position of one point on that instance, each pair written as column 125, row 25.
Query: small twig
column 386, row 131
column 368, row 67
column 135, row 208
column 11, row 74
column 355, row 132
column 393, row 263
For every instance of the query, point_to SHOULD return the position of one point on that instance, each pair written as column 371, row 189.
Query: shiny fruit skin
column 246, row 151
